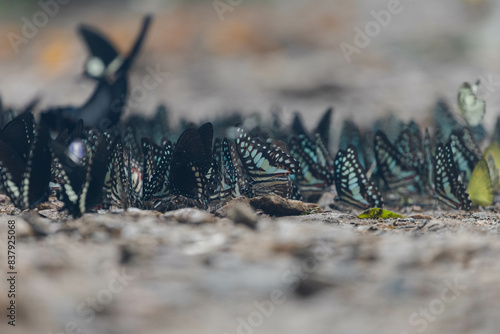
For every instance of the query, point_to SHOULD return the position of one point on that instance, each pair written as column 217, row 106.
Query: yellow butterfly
column 494, row 151
column 480, row 188
column 472, row 107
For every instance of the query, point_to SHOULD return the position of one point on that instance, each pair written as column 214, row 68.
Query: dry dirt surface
column 189, row 271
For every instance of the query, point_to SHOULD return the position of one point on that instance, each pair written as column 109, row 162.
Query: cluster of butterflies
column 91, row 159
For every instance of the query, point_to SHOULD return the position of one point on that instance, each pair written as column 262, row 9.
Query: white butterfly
column 471, row 107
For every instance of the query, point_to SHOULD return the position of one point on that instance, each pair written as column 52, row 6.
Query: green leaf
column 376, row 213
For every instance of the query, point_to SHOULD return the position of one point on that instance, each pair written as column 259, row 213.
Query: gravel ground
column 190, row 272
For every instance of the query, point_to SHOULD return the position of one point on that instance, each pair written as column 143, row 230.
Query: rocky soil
column 189, row 271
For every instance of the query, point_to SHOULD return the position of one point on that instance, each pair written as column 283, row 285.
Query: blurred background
column 255, row 55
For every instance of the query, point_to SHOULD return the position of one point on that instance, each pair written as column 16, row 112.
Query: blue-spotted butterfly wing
column 234, row 168
column 465, row 151
column 263, row 161
column 312, row 176
column 409, row 144
column 449, row 188
column 393, row 168
column 351, row 183
column 268, row 167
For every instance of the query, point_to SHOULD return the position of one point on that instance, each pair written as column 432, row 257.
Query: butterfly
column 315, row 173
column 351, row 135
column 480, row 187
column 82, row 177
column 156, row 168
column 229, row 183
column 391, row 126
column 322, row 129
column 351, row 182
column 191, row 163
column 105, row 61
column 116, row 182
column 159, row 125
column 25, row 161
column 445, row 121
column 493, row 151
column 268, row 167
column 393, row 167
column 448, row 186
column 472, row 107
column 429, row 164
column 409, row 144
column 465, row 151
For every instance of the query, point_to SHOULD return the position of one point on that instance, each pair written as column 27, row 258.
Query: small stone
column 51, row 214
column 278, row 206
column 189, row 216
column 23, row 229
column 419, row 216
column 326, row 200
column 242, row 213
column 223, row 211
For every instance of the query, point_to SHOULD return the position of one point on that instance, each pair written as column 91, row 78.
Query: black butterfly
column 102, row 109
column 191, row 163
column 268, row 167
column 449, row 188
column 25, row 161
column 105, row 61
column 82, row 176
column 351, row 182
column 393, row 167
